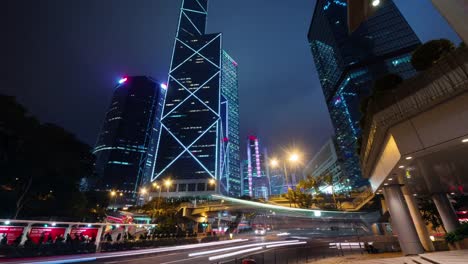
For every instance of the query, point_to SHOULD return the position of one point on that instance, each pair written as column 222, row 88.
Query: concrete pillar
column 401, row 221
column 446, row 211
column 421, row 228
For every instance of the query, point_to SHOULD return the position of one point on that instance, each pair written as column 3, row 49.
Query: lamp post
column 212, row 182
column 293, row 159
column 168, row 184
column 113, row 194
column 143, row 191
column 155, row 185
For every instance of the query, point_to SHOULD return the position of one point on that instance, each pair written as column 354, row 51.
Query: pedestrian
column 4, row 240
column 118, row 237
column 50, row 239
column 42, row 238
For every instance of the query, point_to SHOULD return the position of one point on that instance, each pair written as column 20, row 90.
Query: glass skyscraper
column 348, row 64
column 123, row 149
column 255, row 178
column 199, row 136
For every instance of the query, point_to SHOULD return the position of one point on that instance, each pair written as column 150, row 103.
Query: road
column 276, row 247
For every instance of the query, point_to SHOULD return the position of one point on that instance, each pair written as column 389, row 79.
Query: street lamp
column 167, row 183
column 113, row 194
column 143, row 191
column 293, row 158
column 375, row 3
column 155, row 185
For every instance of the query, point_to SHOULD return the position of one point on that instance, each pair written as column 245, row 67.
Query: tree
column 385, row 83
column 310, row 182
column 430, row 52
column 328, row 179
column 41, row 164
column 429, row 214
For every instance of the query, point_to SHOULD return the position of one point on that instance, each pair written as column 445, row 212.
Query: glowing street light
column 294, row 157
column 113, row 193
column 375, row 3
column 274, row 163
column 212, row 182
column 168, row 184
column 143, row 191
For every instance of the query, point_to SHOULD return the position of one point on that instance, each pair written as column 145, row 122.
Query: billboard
column 12, row 232
column 85, row 231
column 37, row 232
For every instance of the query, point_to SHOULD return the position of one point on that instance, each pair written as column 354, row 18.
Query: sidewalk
column 443, row 257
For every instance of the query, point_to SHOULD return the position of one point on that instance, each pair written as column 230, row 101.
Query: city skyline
column 142, row 46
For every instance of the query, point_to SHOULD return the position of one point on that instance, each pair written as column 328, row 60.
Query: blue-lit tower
column 124, row 147
column 198, row 148
column 349, row 63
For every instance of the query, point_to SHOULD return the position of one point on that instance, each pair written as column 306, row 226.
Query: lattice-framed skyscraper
column 199, row 136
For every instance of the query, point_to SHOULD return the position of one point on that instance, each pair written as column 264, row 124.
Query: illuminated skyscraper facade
column 348, row 64
column 123, row 149
column 256, row 182
column 199, row 137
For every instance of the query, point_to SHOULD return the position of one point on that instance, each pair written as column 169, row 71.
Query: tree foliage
column 386, row 83
column 430, row 52
column 429, row 213
column 41, row 165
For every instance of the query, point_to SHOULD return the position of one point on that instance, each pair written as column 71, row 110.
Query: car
column 260, row 231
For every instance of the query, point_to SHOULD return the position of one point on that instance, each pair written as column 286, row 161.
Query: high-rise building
column 326, row 162
column 199, row 137
column 256, row 182
column 123, row 149
column 349, row 63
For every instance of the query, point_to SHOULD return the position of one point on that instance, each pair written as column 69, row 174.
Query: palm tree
column 328, row 179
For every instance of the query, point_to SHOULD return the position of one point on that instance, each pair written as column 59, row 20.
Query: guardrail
column 29, row 238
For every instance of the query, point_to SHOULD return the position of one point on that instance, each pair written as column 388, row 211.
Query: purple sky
column 63, row 58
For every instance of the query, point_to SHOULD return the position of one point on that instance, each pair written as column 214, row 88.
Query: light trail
column 287, row 244
column 135, row 252
column 271, row 245
column 316, row 213
column 235, row 253
column 240, row 247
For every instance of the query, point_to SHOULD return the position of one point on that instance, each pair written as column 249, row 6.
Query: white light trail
column 239, row 247
column 235, row 253
column 139, row 252
column 287, row 244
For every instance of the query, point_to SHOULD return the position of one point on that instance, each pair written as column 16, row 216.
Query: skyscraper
column 256, row 183
column 199, row 137
column 325, row 162
column 348, row 64
column 124, row 143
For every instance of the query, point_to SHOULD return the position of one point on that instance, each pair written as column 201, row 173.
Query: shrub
column 430, row 52
column 386, row 83
column 452, row 237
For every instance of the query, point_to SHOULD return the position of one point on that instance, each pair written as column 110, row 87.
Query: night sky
column 62, row 59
